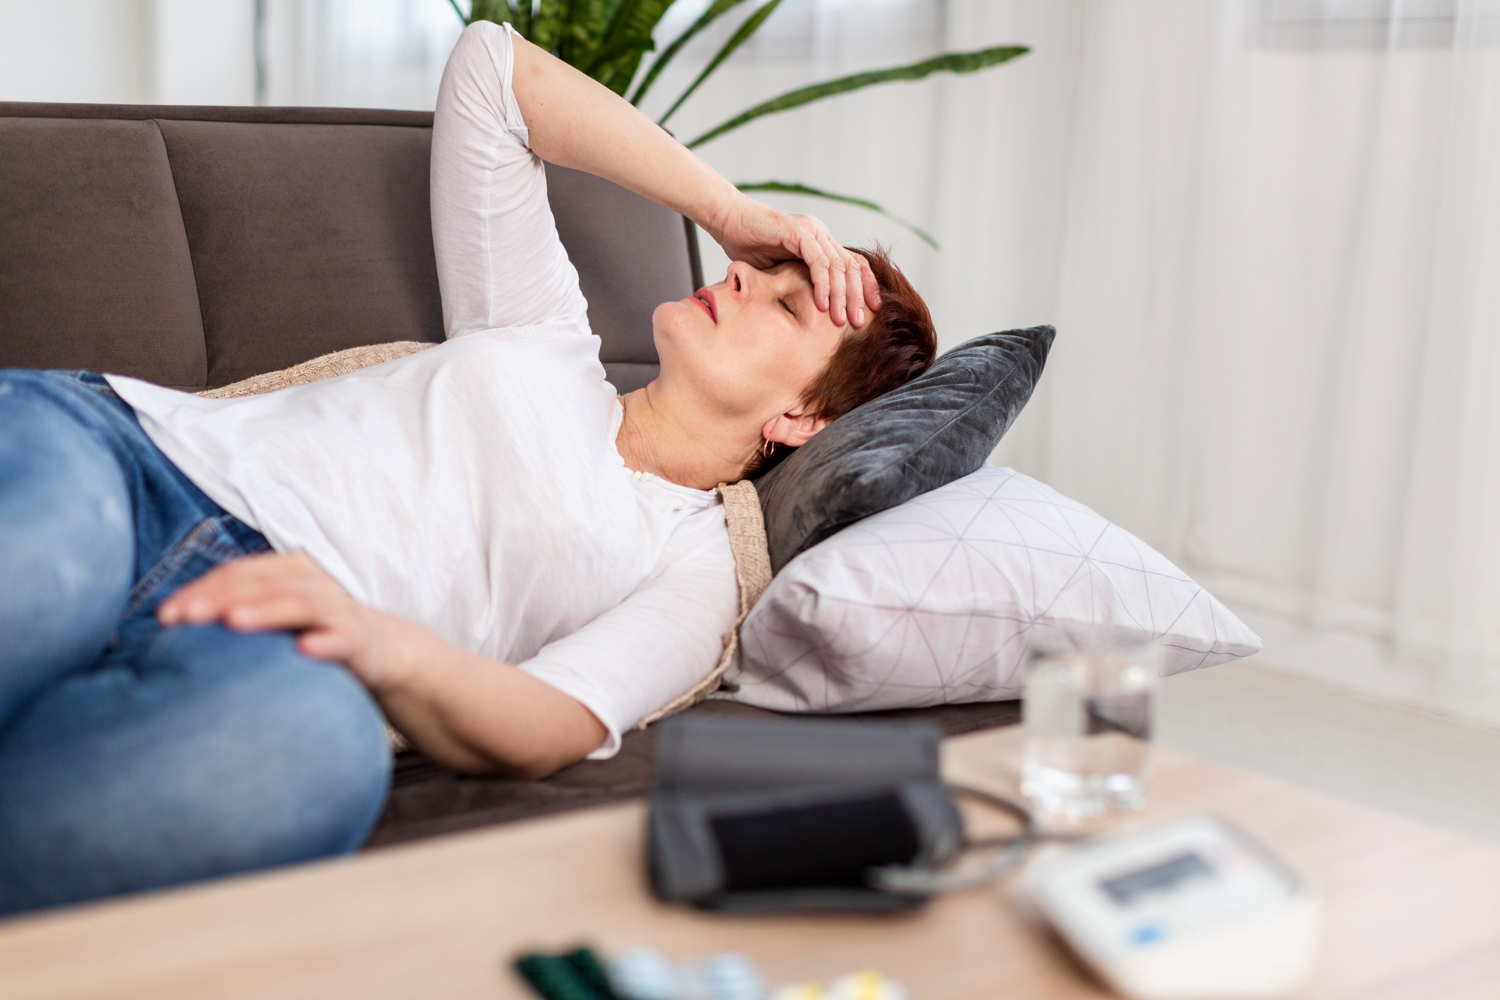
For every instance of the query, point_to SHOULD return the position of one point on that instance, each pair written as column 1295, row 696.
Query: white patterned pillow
column 933, row 602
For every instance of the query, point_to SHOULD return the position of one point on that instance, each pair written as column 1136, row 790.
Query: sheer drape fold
column 1279, row 312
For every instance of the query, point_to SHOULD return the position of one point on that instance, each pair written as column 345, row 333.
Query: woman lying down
column 207, row 604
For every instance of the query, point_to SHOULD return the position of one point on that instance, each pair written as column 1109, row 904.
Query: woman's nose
column 739, row 277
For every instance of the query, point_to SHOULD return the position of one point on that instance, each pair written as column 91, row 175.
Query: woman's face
column 749, row 346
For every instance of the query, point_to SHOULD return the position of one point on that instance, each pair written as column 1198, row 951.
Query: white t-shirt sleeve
column 499, row 259
column 652, row 648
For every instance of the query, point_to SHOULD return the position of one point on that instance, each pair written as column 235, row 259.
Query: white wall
column 358, row 53
column 204, row 51
column 340, row 53
column 85, row 50
column 128, row 51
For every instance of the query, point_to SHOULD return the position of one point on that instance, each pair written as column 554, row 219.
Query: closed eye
column 787, row 306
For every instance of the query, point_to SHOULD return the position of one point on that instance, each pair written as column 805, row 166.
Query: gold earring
column 767, row 448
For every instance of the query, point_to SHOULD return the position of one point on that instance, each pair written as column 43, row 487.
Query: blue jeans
column 132, row 756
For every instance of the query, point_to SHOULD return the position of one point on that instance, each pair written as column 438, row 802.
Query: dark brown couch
column 198, row 246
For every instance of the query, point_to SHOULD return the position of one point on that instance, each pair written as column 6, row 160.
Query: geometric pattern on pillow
column 934, row 602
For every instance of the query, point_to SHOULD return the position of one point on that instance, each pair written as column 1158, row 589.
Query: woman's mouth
column 705, row 298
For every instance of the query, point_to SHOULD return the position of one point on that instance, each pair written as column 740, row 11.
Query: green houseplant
column 609, row 39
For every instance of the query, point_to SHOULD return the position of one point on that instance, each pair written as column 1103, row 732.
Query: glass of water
column 1089, row 715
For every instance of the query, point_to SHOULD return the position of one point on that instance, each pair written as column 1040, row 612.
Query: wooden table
column 1409, row 911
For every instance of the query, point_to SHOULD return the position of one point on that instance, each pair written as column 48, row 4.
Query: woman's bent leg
column 67, row 542
column 198, row 752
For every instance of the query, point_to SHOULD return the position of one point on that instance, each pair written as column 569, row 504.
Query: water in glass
column 1088, row 719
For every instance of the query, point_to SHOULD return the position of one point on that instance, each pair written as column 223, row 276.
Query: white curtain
column 1277, row 298
column 1269, row 234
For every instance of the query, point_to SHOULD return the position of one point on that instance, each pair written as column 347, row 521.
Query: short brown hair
column 897, row 345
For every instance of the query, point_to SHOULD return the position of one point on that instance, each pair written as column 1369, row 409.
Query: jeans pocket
column 95, row 382
column 212, row 542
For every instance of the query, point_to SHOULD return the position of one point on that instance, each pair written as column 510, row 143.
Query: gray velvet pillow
column 935, row 429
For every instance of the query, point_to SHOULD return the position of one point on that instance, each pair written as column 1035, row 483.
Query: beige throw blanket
column 326, row 366
column 747, row 529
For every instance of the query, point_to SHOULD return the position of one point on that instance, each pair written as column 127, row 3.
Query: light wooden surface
column 1410, row 912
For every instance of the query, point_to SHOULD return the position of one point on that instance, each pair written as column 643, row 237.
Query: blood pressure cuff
column 794, row 814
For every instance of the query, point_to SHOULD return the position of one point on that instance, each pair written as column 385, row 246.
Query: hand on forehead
column 842, row 283
column 798, row 277
column 843, row 286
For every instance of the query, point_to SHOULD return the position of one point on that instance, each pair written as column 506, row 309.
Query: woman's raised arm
column 576, row 122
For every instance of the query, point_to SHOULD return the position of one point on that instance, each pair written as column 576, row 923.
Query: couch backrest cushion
column 298, row 232
column 94, row 263
column 306, row 239
column 626, row 268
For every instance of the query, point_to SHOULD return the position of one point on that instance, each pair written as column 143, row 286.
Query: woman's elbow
column 557, row 739
column 532, row 764
column 527, row 767
column 571, row 748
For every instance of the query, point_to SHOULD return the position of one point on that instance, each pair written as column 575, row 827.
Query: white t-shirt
column 475, row 487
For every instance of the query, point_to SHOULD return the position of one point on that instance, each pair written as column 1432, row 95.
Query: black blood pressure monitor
column 1192, row 909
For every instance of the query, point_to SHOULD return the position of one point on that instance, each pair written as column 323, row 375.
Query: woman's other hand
column 461, row 710
column 761, row 236
column 266, row 592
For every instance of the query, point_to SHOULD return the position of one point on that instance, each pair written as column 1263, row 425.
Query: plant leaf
column 547, row 22
column 461, row 17
column 742, row 34
column 952, row 62
column 498, row 11
column 715, row 9
column 581, row 31
column 502, row 12
column 625, row 38
column 786, row 188
column 615, row 65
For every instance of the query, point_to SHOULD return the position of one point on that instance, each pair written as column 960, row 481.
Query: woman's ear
column 794, row 428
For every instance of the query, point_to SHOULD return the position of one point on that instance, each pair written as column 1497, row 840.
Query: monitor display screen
column 1161, row 877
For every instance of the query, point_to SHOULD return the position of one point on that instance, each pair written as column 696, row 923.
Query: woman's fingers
column 856, row 294
column 290, row 592
column 828, row 257
column 815, row 256
column 838, row 282
column 843, row 284
column 203, row 600
column 258, row 592
column 847, row 285
column 854, row 288
column 279, row 608
column 869, row 286
column 340, row 644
